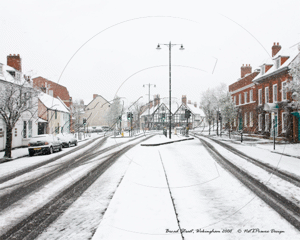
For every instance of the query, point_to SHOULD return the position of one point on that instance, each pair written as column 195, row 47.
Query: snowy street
column 166, row 192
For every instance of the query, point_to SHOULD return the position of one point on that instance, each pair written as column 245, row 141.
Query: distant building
column 95, row 112
column 157, row 115
column 53, row 89
column 54, row 115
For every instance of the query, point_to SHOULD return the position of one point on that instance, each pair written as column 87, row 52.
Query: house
column 197, row 118
column 157, row 115
column 54, row 115
column 27, row 124
column 53, row 89
column 264, row 102
column 96, row 111
column 244, row 94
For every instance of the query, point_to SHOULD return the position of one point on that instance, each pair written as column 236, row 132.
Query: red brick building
column 264, row 103
column 244, row 96
column 53, row 89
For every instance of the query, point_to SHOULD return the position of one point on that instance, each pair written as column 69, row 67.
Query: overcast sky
column 109, row 47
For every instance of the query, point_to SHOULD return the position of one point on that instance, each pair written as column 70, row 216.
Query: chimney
column 95, row 95
column 183, row 99
column 189, row 102
column 195, row 104
column 151, row 104
column 245, row 70
column 156, row 100
column 275, row 49
column 14, row 61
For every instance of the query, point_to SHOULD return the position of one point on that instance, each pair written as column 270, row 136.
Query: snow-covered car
column 45, row 143
column 105, row 128
column 67, row 140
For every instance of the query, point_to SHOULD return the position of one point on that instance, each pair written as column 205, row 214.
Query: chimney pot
column 15, row 62
column 275, row 49
column 183, row 99
column 245, row 70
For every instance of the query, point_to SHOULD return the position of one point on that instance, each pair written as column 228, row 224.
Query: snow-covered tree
column 115, row 110
column 77, row 110
column 228, row 109
column 209, row 104
column 294, row 84
column 218, row 99
column 17, row 97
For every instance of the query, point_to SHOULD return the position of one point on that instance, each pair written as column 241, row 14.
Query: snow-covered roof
column 152, row 110
column 53, row 103
column 195, row 110
column 7, row 77
column 290, row 52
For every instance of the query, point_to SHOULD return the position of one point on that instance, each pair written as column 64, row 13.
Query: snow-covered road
column 134, row 199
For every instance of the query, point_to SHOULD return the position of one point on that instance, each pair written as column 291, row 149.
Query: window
column 24, row 129
column 51, row 93
column 267, row 122
column 18, row 76
column 277, row 63
column 245, row 97
column 283, row 91
column 245, row 119
column 251, row 119
column 29, row 128
column 1, row 70
column 267, row 95
column 259, row 96
column 57, row 129
column 55, row 114
column 234, row 100
column 259, row 122
column 284, row 121
column 274, row 93
column 234, row 122
column 251, row 95
column 240, row 99
column 16, row 132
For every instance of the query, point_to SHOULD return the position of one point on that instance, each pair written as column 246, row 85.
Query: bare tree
column 17, row 98
column 209, row 104
column 77, row 110
column 218, row 99
column 136, row 109
column 115, row 110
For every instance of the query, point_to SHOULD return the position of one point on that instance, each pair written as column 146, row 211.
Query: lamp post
column 149, row 85
column 170, row 45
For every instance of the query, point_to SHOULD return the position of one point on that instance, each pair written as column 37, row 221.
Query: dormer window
column 262, row 70
column 18, row 76
column 277, row 63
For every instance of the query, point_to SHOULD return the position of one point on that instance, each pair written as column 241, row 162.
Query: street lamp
column 170, row 46
column 149, row 85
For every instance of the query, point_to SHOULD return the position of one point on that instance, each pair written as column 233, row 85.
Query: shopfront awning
column 297, row 114
column 270, row 107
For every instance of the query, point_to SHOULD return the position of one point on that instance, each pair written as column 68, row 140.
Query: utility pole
column 149, row 85
column 170, row 47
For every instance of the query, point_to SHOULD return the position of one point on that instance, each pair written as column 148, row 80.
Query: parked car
column 105, row 128
column 46, row 144
column 67, row 140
